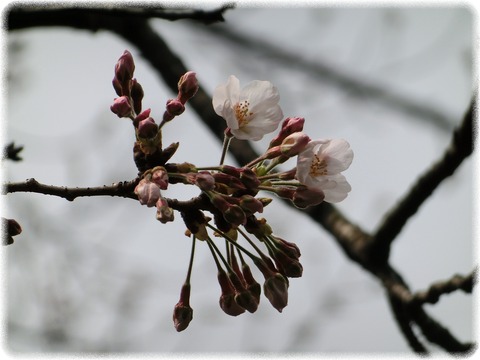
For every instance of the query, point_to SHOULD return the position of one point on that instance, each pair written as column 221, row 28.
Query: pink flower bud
column 137, row 95
column 276, row 291
column 227, row 299
column 230, row 170
column 229, row 180
column 183, row 313
column 142, row 116
column 285, row 192
column 289, row 126
column 164, row 212
column 249, row 179
column 252, row 285
column 289, row 248
column 121, row 106
column 148, row 193
column 294, row 143
column 125, row 67
column 117, row 87
column 305, row 197
column 175, row 107
column 195, row 221
column 205, row 181
column 147, row 128
column 187, row 86
column 257, row 227
column 160, row 177
column 235, row 215
column 287, row 265
column 251, row 205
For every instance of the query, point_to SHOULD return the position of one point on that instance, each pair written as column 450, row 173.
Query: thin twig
column 437, row 289
column 121, row 189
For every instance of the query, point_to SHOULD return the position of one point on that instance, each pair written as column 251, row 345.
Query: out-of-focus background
column 102, row 275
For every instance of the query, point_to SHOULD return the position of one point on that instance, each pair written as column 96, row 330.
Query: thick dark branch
column 47, row 14
column 439, row 335
column 459, row 149
column 405, row 324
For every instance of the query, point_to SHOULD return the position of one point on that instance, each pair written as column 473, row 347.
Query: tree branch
column 359, row 88
column 25, row 15
column 121, row 189
column 460, row 148
column 437, row 289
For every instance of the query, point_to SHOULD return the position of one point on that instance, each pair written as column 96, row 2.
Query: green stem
column 226, row 144
column 190, row 265
column 257, row 249
column 250, row 255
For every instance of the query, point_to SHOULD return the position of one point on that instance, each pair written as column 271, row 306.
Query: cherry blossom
column 320, row 164
column 250, row 112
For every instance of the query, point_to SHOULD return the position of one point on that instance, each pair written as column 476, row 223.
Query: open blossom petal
column 319, row 166
column 250, row 112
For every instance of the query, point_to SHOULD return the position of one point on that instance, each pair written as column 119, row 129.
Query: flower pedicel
column 229, row 202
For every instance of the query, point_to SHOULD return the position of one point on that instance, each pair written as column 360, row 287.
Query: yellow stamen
column 318, row 167
column 242, row 113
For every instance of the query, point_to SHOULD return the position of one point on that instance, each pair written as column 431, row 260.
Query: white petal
column 226, row 92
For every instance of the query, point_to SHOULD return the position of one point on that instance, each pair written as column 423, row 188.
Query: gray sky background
column 101, row 274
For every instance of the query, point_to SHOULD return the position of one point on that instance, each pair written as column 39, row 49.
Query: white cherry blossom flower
column 320, row 164
column 250, row 112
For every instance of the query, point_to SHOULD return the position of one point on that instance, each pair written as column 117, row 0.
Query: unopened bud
column 142, row 116
column 276, row 291
column 181, row 168
column 251, row 205
column 305, row 197
column 205, row 181
column 229, row 180
column 227, row 299
column 160, row 177
column 249, row 179
column 183, row 313
column 147, row 128
column 230, row 170
column 164, row 212
column 195, row 221
column 291, row 249
column 121, row 106
column 289, row 126
column 257, row 227
column 294, row 143
column 148, row 193
column 287, row 265
column 125, row 67
column 137, row 96
column 235, row 215
column 252, row 285
column 187, row 86
column 175, row 107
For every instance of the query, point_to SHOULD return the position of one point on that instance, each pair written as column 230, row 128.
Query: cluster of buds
column 228, row 205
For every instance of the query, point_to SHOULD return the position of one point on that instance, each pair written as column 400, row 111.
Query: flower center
column 318, row 167
column 242, row 113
